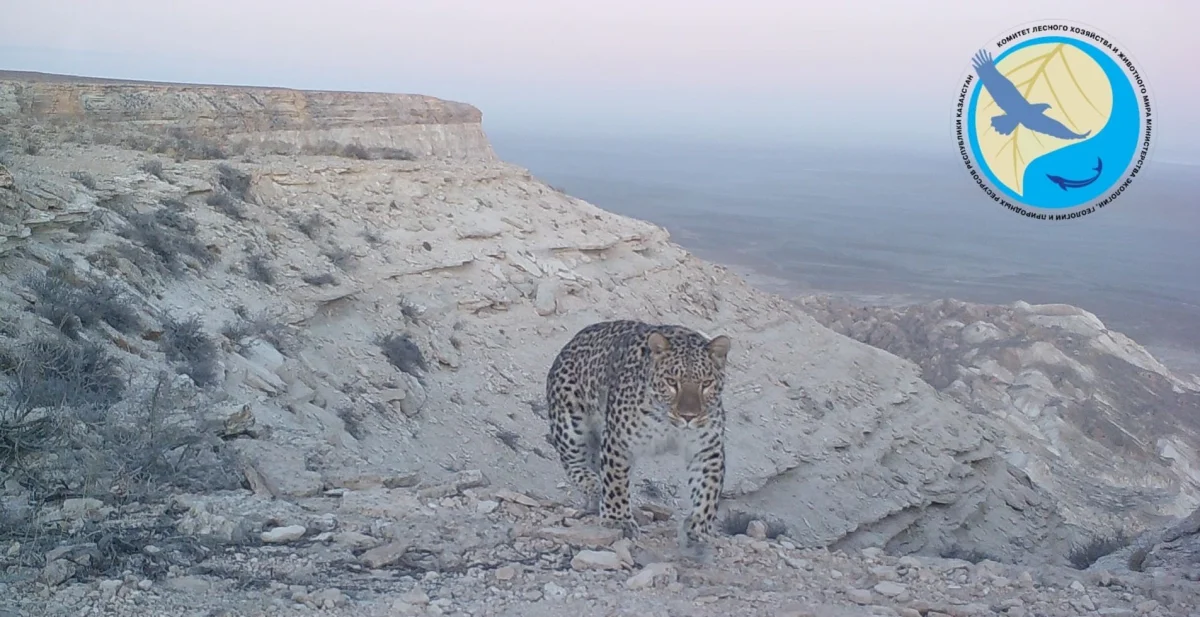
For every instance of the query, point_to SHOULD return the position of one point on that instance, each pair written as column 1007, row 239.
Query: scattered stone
column 657, row 512
column 108, row 590
column 462, row 481
column 589, row 536
column 545, row 300
column 57, row 572
column 329, row 598
column 890, row 589
column 415, row 597
column 354, row 540
column 515, row 497
column 596, row 560
column 757, row 530
column 859, row 596
column 652, row 575
column 283, row 535
column 624, row 550
column 188, row 584
column 385, row 555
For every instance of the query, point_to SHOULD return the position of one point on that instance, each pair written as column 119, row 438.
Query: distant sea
column 900, row 227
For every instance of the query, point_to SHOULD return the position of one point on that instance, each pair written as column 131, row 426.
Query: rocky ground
column 280, row 352
column 467, row 548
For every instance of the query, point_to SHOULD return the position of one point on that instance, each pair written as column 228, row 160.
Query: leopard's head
column 688, row 375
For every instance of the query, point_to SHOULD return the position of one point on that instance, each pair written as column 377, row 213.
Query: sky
column 858, row 72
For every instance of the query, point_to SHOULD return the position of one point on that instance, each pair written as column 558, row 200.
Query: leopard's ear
column 718, row 348
column 658, row 343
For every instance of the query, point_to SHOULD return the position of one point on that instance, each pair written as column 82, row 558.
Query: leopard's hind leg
column 576, row 438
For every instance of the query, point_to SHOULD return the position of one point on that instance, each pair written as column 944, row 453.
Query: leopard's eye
column 672, row 383
column 708, row 383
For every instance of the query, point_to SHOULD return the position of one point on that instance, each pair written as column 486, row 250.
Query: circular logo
column 1053, row 120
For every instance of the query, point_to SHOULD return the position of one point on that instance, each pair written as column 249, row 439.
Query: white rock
column 596, row 560
column 283, row 535
column 653, row 574
column 890, row 589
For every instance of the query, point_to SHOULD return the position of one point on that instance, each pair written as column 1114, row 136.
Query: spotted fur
column 624, row 388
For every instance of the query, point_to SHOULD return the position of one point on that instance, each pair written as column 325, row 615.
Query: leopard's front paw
column 627, row 525
column 694, row 531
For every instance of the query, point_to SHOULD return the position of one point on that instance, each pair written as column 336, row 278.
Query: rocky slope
column 1089, row 414
column 466, row 549
column 237, row 305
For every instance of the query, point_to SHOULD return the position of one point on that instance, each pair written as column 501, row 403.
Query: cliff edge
column 241, row 118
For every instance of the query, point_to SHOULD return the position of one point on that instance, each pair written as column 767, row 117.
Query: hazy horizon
column 766, row 72
column 803, row 220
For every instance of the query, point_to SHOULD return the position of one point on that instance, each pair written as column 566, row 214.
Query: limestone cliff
column 392, row 315
column 1089, row 414
column 250, row 117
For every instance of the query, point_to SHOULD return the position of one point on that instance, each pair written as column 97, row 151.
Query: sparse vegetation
column 283, row 148
column 736, row 523
column 25, row 432
column 186, row 343
column 154, row 167
column 395, row 154
column 353, row 421
column 259, row 268
column 167, row 236
column 261, row 326
column 355, row 151
column 657, row 490
column 73, row 304
column 969, row 555
column 173, row 214
column 509, row 438
column 226, row 204
column 340, row 257
column 312, row 225
column 320, row 280
column 372, row 238
column 233, row 180
column 403, row 353
column 185, row 146
column 51, row 371
column 138, row 451
column 409, row 310
column 84, row 178
column 1084, row 556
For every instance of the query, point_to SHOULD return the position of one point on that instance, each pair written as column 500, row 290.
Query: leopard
column 622, row 389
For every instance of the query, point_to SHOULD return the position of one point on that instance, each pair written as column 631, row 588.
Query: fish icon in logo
column 1065, row 184
column 1017, row 110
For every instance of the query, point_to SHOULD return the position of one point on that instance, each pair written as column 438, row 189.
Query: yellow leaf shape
column 1062, row 75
